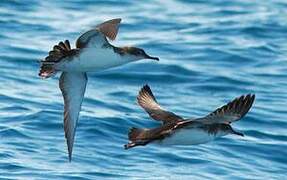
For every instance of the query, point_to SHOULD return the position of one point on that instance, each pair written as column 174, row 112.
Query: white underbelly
column 93, row 59
column 188, row 137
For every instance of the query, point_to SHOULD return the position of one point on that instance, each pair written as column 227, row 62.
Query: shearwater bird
column 94, row 53
column 176, row 130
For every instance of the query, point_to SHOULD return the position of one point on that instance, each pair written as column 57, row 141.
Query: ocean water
column 210, row 52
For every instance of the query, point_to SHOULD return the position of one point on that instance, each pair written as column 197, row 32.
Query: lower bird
column 176, row 130
column 94, row 53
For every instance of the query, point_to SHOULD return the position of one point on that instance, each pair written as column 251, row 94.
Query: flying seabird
column 176, row 130
column 94, row 53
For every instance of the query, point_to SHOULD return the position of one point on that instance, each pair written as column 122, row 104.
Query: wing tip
column 146, row 87
column 110, row 28
column 116, row 20
column 145, row 95
column 249, row 97
column 70, row 150
column 70, row 143
column 249, row 100
column 146, row 90
column 237, row 108
column 243, row 104
column 70, row 157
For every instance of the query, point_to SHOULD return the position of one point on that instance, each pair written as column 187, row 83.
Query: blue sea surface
column 210, row 53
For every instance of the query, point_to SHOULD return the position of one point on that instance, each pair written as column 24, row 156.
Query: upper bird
column 94, row 53
column 176, row 130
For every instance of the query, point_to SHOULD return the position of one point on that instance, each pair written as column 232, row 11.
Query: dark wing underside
column 233, row 111
column 148, row 102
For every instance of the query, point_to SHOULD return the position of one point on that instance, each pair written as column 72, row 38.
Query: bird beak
column 150, row 57
column 238, row 133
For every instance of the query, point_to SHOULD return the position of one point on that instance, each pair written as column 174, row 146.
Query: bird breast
column 189, row 137
column 93, row 59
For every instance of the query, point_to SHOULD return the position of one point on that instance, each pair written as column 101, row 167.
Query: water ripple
column 209, row 54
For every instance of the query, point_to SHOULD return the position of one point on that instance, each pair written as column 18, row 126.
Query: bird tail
column 137, row 137
column 136, row 134
column 58, row 52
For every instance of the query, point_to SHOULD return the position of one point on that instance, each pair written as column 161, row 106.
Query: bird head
column 138, row 53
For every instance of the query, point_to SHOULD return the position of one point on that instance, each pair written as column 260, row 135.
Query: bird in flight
column 176, row 130
column 93, row 52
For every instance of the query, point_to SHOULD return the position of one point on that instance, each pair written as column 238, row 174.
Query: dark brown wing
column 97, row 36
column 148, row 102
column 233, row 111
column 110, row 28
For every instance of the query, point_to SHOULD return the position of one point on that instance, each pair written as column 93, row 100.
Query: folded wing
column 73, row 86
column 148, row 102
